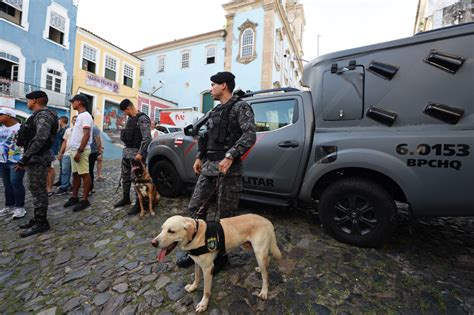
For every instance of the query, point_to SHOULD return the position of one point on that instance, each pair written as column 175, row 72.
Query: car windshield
column 162, row 129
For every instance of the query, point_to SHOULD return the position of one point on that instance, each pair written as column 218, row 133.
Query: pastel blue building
column 261, row 44
column 37, row 40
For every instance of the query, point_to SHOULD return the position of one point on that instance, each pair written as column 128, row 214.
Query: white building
column 432, row 14
column 261, row 44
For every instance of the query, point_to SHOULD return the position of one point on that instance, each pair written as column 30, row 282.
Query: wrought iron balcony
column 19, row 90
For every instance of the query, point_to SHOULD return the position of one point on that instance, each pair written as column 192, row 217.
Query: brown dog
column 144, row 187
column 187, row 234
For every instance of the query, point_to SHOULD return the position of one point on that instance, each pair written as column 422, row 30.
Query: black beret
column 125, row 103
column 81, row 98
column 36, row 94
column 221, row 77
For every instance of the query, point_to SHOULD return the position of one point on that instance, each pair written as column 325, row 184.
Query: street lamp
column 317, row 43
column 155, row 90
column 290, row 57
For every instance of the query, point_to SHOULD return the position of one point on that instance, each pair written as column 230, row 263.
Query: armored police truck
column 386, row 123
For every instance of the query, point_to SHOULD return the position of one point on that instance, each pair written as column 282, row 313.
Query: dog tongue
column 161, row 255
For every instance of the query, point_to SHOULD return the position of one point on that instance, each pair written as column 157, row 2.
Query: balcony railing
column 19, row 90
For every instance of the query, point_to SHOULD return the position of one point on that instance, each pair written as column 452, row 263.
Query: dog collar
column 195, row 232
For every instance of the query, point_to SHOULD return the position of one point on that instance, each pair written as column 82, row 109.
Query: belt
column 215, row 155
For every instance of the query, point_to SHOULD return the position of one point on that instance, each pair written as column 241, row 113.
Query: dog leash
column 220, row 178
column 119, row 183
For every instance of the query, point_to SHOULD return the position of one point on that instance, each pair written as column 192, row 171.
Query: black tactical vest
column 131, row 135
column 27, row 131
column 222, row 133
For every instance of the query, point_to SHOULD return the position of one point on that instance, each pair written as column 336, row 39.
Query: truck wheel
column 167, row 180
column 359, row 212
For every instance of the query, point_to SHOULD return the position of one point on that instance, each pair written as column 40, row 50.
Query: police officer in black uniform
column 37, row 135
column 137, row 137
column 231, row 132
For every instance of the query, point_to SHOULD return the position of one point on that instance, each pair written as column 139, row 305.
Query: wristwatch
column 229, row 156
column 80, row 150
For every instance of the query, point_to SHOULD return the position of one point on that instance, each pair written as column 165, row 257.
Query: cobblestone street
column 100, row 261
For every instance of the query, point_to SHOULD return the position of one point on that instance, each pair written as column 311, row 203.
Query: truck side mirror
column 188, row 130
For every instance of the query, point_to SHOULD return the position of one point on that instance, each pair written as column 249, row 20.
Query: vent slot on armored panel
column 447, row 62
column 382, row 116
column 382, row 70
column 448, row 114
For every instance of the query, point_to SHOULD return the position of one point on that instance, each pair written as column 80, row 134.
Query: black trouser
column 37, row 177
column 127, row 177
column 92, row 159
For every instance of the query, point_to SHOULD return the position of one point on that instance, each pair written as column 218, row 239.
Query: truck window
column 275, row 114
column 343, row 94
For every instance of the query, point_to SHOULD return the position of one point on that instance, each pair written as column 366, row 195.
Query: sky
column 338, row 24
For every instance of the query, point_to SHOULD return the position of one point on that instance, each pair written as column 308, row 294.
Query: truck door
column 271, row 166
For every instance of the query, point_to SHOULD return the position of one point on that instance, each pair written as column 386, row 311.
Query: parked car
column 166, row 129
column 386, row 123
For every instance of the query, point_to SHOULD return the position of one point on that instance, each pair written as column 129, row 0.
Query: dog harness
column 215, row 240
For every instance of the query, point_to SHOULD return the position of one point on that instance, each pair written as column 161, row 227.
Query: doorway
column 207, row 102
column 90, row 102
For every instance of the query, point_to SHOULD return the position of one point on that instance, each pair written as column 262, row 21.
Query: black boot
column 39, row 227
column 27, row 225
column 220, row 261
column 123, row 202
column 134, row 210
column 185, row 261
column 126, row 196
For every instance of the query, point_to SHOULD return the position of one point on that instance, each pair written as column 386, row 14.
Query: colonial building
column 106, row 74
column 261, row 44
column 37, row 41
column 433, row 14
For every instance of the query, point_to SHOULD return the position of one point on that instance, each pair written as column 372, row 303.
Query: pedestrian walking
column 36, row 135
column 9, row 156
column 80, row 143
column 58, row 140
column 51, row 174
column 137, row 136
column 154, row 131
column 100, row 158
column 231, row 132
column 96, row 150
column 65, row 157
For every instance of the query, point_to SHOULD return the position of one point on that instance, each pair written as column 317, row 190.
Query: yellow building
column 106, row 74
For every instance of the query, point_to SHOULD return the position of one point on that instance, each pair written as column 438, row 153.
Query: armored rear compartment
column 400, row 113
column 426, row 79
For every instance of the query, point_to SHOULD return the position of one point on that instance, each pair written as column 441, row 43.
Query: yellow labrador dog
column 187, row 234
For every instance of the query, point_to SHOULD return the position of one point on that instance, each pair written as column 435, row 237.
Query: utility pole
column 317, row 43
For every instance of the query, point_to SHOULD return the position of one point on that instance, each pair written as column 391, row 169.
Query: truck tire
column 358, row 212
column 166, row 179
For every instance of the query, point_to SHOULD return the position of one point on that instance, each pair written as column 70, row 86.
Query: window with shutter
column 110, row 68
column 128, row 75
column 88, row 58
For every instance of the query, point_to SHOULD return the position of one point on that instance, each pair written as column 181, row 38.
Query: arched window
column 247, row 43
